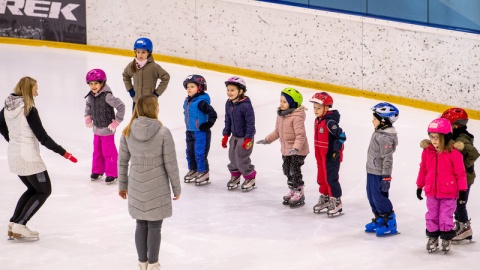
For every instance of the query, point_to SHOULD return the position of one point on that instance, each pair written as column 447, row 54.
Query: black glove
column 131, row 92
column 419, row 194
column 206, row 126
column 462, row 197
column 386, row 182
column 334, row 156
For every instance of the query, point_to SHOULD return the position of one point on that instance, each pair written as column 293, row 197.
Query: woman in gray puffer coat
column 149, row 148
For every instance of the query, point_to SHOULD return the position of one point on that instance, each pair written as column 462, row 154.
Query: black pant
column 38, row 190
column 148, row 236
column 461, row 212
column 292, row 169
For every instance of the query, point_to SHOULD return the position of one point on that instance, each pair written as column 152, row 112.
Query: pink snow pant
column 439, row 214
column 105, row 155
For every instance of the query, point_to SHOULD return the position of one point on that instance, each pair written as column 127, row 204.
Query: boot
column 298, row 198
column 248, row 184
column 19, row 230
column 234, row 180
column 155, row 266
column 190, row 176
column 110, row 180
column 286, row 198
column 376, row 222
column 335, row 207
column 202, row 178
column 463, row 231
column 95, row 176
column 432, row 244
column 142, row 265
column 388, row 226
column 323, row 203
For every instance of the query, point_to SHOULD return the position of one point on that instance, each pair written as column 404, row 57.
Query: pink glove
column 69, row 156
column 88, row 121
column 113, row 126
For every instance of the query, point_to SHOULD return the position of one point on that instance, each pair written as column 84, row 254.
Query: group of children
column 146, row 145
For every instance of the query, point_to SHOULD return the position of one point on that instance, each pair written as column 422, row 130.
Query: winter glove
column 247, row 143
column 425, row 143
column 69, row 156
column 113, row 126
column 155, row 93
column 206, row 126
column 224, row 141
column 462, row 197
column 131, row 92
column 262, row 142
column 292, row 152
column 88, row 121
column 342, row 138
column 419, row 194
column 459, row 146
column 334, row 156
column 386, row 182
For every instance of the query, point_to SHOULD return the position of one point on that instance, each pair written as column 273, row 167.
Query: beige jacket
column 290, row 129
column 145, row 79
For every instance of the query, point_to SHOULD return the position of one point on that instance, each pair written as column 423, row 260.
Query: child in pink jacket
column 442, row 175
column 290, row 129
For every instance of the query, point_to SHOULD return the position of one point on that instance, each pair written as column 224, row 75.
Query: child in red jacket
column 442, row 175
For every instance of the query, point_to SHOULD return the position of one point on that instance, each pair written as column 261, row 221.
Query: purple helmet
column 440, row 125
column 96, row 75
column 196, row 79
column 238, row 82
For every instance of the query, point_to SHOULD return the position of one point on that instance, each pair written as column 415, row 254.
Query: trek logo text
column 35, row 8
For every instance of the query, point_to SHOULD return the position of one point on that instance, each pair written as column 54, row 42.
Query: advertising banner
column 61, row 20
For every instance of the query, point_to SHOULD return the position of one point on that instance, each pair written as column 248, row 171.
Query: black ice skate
column 432, row 244
column 202, row 178
column 233, row 183
column 298, row 198
column 248, row 184
column 335, row 207
column 95, row 176
column 190, row 176
column 110, row 180
column 446, row 245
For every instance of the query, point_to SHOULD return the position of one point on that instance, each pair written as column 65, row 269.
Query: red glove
column 224, row 141
column 69, row 156
column 247, row 143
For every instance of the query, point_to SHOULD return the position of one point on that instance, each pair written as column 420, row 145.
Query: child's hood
column 388, row 130
column 143, row 128
column 333, row 115
column 14, row 104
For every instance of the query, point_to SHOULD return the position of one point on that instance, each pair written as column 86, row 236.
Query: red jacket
column 443, row 174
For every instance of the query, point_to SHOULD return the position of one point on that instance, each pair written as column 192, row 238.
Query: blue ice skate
column 376, row 222
column 388, row 226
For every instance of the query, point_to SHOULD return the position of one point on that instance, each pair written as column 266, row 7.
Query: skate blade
column 95, row 179
column 189, row 180
column 248, row 189
column 321, row 211
column 20, row 237
column 297, row 205
column 286, row 203
column 232, row 188
column 432, row 250
column 388, row 234
column 463, row 242
column 112, row 182
column 203, row 183
column 335, row 214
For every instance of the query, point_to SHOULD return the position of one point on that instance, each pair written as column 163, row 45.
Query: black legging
column 38, row 190
column 148, row 236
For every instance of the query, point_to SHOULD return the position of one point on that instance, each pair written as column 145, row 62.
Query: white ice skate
column 10, row 234
column 298, row 198
column 234, row 182
column 323, row 203
column 190, row 176
column 155, row 266
column 432, row 244
column 202, row 178
column 22, row 231
column 248, row 184
column 463, row 231
column 335, row 207
column 142, row 265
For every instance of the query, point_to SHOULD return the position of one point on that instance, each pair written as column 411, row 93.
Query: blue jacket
column 239, row 119
column 197, row 111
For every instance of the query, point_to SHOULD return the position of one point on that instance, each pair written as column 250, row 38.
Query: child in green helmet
column 290, row 129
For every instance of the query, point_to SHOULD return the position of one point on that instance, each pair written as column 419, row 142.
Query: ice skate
column 388, row 226
column 286, row 198
column 142, row 265
column 432, row 244
column 376, row 222
column 323, row 203
column 95, row 176
column 248, row 184
column 335, row 207
column 23, row 232
column 10, row 234
column 463, row 231
column 446, row 245
column 202, row 178
column 155, row 266
column 298, row 198
column 110, row 180
column 190, row 176
column 234, row 182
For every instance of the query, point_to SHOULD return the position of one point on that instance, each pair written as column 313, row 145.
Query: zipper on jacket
column 436, row 172
column 187, row 115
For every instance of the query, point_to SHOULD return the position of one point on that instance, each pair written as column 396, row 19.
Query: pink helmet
column 96, row 75
column 440, row 125
column 238, row 82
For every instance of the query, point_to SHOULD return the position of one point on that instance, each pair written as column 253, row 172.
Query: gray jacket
column 380, row 151
column 150, row 150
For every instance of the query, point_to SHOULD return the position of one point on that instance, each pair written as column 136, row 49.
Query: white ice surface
column 86, row 225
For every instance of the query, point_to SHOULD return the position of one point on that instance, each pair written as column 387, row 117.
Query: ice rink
column 86, row 225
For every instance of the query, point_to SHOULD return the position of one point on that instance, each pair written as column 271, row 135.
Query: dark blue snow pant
column 198, row 145
column 461, row 212
column 378, row 199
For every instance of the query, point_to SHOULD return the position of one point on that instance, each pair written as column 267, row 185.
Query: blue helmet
column 387, row 111
column 144, row 44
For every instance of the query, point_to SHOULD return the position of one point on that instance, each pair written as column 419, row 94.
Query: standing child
column 145, row 72
column 290, row 129
column 153, row 169
column 22, row 128
column 383, row 144
column 329, row 139
column 100, row 115
column 442, row 175
column 199, row 118
column 240, row 122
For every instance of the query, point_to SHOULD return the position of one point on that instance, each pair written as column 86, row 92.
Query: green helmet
column 294, row 94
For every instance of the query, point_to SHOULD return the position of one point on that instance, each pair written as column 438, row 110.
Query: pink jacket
column 291, row 131
column 442, row 175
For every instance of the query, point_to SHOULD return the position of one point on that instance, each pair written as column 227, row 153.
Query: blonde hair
column 146, row 106
column 24, row 88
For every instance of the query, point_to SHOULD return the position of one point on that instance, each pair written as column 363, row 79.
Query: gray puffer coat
column 150, row 150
